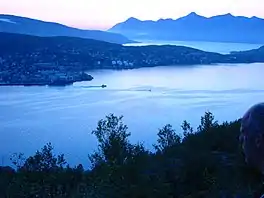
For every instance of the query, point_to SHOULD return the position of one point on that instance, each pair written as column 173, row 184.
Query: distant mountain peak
column 227, row 15
column 133, row 19
column 193, row 14
column 256, row 18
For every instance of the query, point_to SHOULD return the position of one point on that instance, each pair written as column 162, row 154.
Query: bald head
column 252, row 136
column 254, row 118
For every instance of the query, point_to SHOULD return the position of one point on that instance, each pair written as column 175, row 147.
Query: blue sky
column 102, row 14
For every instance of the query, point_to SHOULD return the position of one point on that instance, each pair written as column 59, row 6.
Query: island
column 32, row 60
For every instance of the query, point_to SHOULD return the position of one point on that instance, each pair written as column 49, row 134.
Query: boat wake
column 113, row 89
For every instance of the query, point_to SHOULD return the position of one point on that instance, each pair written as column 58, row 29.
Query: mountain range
column 28, row 26
column 193, row 27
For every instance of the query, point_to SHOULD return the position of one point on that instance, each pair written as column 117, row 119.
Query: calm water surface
column 33, row 116
column 223, row 48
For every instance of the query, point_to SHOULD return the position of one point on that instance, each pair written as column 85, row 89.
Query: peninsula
column 32, row 60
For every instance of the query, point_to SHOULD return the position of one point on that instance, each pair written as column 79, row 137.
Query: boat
column 103, row 86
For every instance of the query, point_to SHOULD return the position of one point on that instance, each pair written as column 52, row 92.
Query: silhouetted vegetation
column 206, row 162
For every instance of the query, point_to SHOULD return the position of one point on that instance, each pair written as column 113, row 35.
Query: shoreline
column 85, row 77
column 60, row 79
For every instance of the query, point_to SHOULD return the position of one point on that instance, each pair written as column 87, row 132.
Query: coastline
column 57, row 79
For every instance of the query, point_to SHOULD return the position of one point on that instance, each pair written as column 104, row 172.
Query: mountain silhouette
column 193, row 27
column 28, row 26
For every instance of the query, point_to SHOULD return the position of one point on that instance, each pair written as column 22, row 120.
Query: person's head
column 252, row 136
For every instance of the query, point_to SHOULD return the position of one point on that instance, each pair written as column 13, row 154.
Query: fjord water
column 223, row 48
column 148, row 98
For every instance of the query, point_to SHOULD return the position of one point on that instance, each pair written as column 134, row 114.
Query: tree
column 44, row 161
column 167, row 138
column 117, row 163
column 114, row 146
column 18, row 160
column 207, row 122
column 39, row 175
column 187, row 129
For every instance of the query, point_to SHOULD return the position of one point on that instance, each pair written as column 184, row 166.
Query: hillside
column 193, row 27
column 22, row 25
column 256, row 55
column 78, row 54
column 23, row 57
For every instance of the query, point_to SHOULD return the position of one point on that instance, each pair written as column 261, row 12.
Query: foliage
column 44, row 161
column 43, row 175
column 187, row 129
column 167, row 137
column 18, row 160
column 204, row 163
column 112, row 137
column 207, row 122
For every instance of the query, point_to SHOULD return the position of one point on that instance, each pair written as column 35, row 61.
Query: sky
column 103, row 14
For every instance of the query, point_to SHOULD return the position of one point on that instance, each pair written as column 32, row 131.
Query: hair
column 254, row 119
